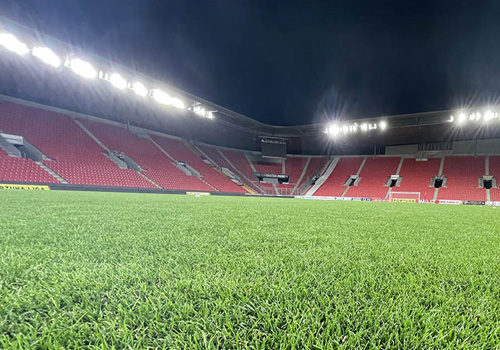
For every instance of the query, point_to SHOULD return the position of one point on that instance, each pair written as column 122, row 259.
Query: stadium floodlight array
column 202, row 112
column 11, row 43
column 47, row 56
column 139, row 89
column 463, row 117
column 82, row 68
column 86, row 70
column 344, row 129
column 165, row 99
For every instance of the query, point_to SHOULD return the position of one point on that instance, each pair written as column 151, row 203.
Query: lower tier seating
column 463, row 175
column 22, row 170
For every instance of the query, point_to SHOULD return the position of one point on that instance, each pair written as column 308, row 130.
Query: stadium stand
column 180, row 152
column 239, row 161
column 154, row 163
column 335, row 184
column 268, row 167
column 22, row 170
column 374, row 176
column 495, row 171
column 79, row 154
column 463, row 175
column 73, row 154
column 417, row 175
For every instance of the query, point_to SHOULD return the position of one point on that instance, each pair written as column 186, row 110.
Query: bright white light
column 165, row 99
column 210, row 115
column 452, row 118
column 161, row 97
column 46, row 55
column 82, row 68
column 200, row 111
column 118, row 81
column 11, row 43
column 140, row 89
column 364, row 127
column 489, row 115
column 334, row 130
column 177, row 103
column 462, row 118
column 383, row 125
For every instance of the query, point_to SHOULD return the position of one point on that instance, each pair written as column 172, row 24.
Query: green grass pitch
column 143, row 271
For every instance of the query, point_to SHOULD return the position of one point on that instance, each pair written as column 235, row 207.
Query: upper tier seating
column 335, row 184
column 495, row 171
column 75, row 156
column 155, row 164
column 462, row 175
column 416, row 177
column 264, row 167
column 179, row 151
column 374, row 175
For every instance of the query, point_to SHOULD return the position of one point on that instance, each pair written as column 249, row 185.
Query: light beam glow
column 140, row 89
column 46, row 55
column 11, row 43
column 82, row 68
column 118, row 81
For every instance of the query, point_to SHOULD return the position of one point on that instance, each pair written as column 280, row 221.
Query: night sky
column 293, row 62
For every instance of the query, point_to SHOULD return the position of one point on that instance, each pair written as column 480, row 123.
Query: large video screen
column 272, row 148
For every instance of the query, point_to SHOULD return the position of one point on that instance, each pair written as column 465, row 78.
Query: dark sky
column 293, row 62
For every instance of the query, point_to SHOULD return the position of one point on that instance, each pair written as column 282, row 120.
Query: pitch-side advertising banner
column 24, row 187
column 449, row 201
column 404, row 200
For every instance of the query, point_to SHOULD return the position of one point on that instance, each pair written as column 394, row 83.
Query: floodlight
column 200, row 111
column 161, row 97
column 462, row 118
column 82, row 68
column 383, row 125
column 46, row 55
column 334, row 130
column 489, row 115
column 452, row 118
column 140, row 89
column 177, row 103
column 11, row 43
column 364, row 127
column 118, row 81
column 210, row 115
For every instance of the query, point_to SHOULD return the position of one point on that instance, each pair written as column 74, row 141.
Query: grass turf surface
column 138, row 271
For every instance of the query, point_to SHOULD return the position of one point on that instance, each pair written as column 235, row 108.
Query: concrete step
column 321, row 180
column 301, row 175
column 52, row 172
column 147, row 178
column 91, row 135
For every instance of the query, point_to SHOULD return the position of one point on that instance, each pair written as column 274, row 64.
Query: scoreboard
column 273, row 147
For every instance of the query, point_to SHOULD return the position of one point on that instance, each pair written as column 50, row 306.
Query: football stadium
column 136, row 215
